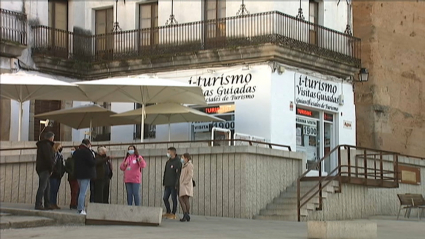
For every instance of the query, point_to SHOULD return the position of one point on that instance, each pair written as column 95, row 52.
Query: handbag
column 194, row 183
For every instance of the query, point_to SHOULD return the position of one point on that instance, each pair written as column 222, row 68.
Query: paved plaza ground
column 210, row 227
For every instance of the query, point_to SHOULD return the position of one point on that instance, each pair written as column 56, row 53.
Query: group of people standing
column 87, row 168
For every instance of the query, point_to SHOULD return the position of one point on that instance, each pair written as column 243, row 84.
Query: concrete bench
column 112, row 214
column 342, row 229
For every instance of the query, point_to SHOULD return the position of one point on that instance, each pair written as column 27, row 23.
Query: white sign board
column 317, row 93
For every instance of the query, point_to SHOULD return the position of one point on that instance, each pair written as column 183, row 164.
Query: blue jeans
column 54, row 189
column 84, row 184
column 173, row 192
column 133, row 192
column 43, row 189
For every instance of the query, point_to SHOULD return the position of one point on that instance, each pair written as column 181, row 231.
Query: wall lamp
column 363, row 75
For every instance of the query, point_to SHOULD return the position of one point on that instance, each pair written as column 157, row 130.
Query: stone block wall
column 231, row 181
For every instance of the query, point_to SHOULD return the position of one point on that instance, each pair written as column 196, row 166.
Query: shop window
column 202, row 130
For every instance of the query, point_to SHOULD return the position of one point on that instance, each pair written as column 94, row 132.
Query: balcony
column 254, row 37
column 13, row 28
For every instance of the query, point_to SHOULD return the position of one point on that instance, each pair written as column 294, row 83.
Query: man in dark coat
column 44, row 168
column 170, row 181
column 85, row 170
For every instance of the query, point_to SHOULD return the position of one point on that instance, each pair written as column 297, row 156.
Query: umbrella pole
column 142, row 127
column 169, row 131
column 90, row 130
column 21, row 109
column 169, row 128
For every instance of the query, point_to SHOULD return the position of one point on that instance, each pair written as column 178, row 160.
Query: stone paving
column 210, row 227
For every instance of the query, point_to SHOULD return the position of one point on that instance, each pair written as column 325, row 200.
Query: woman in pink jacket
column 132, row 167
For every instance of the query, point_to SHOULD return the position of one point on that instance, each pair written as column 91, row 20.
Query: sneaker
column 171, row 216
column 166, row 215
column 82, row 212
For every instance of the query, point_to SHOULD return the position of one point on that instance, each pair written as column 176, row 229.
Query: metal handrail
column 13, row 26
column 330, row 177
column 251, row 142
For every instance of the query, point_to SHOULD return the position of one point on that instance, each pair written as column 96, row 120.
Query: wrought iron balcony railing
column 231, row 32
column 13, row 26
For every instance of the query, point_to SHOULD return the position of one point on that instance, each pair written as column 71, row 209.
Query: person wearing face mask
column 171, row 181
column 132, row 166
column 73, row 183
column 186, row 186
column 84, row 171
column 57, row 174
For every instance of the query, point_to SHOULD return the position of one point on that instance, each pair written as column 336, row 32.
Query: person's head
column 186, row 157
column 73, row 150
column 101, row 150
column 49, row 136
column 57, row 147
column 171, row 152
column 131, row 150
column 86, row 142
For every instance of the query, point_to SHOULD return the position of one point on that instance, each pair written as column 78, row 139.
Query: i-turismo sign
column 317, row 93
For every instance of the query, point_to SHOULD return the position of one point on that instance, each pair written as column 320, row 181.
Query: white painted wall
column 282, row 118
column 14, row 123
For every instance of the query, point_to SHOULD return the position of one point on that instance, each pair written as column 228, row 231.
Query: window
column 44, row 106
column 58, row 21
column 215, row 12
column 102, row 133
column 104, row 25
column 149, row 130
column 313, row 18
column 148, row 22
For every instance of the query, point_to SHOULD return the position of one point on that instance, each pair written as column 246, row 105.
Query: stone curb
column 59, row 218
column 14, row 221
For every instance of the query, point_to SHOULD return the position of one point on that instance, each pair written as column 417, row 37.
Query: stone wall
column 231, row 181
column 358, row 201
column 390, row 107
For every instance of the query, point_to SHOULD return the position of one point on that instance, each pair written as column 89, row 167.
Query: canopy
column 87, row 116
column 28, row 85
column 168, row 113
column 142, row 90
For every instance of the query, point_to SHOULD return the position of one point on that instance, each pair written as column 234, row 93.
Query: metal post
column 142, row 127
column 382, row 167
column 21, row 114
column 299, row 200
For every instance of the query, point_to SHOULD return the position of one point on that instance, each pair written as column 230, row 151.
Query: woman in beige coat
column 186, row 186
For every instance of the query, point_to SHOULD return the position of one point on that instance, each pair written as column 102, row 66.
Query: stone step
column 286, row 206
column 293, row 194
column 328, row 188
column 293, row 199
column 280, row 218
column 282, row 212
column 334, row 183
column 13, row 221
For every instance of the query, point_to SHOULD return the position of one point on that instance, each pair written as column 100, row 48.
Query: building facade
column 280, row 71
column 390, row 107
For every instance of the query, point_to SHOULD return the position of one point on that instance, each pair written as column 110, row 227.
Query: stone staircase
column 284, row 207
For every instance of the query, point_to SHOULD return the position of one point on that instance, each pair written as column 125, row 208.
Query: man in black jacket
column 84, row 171
column 44, row 168
column 170, row 181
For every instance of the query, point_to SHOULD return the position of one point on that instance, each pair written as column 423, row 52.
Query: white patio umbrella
column 27, row 85
column 142, row 90
column 167, row 113
column 87, row 116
